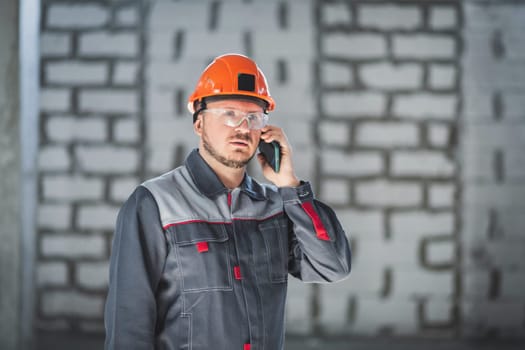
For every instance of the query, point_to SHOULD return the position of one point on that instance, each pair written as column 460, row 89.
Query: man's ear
column 197, row 126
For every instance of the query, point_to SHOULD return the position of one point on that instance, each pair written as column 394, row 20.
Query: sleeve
column 319, row 250
column 137, row 260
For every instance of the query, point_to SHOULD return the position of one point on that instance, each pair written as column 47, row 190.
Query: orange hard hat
column 232, row 75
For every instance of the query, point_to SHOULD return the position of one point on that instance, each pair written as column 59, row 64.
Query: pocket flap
column 194, row 232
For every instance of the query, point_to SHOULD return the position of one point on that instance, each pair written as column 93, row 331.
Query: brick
column 381, row 193
column 388, row 17
column 73, row 246
column 75, row 72
column 354, row 46
column 514, row 106
column 497, row 75
column 334, row 133
column 396, row 314
column 51, row 274
column 336, row 74
column 55, row 325
column 388, row 76
column 423, row 46
column 508, row 195
column 441, row 195
column 421, row 283
column 297, row 45
column 193, row 48
column 71, row 188
column 483, row 317
column 55, row 99
column 181, row 15
column 475, row 283
column 53, row 158
column 477, row 106
column 355, row 164
column 126, row 130
column 91, row 327
column 514, row 165
column 421, row 223
column 425, row 106
column 298, row 307
column 508, row 222
column 441, row 252
column 107, row 159
column 125, row 73
column 55, row 303
column 97, row 217
column 108, row 101
column 514, row 43
column 55, row 44
column 478, row 165
column 438, row 135
column 421, row 163
column 335, row 14
column 438, row 312
column 387, row 134
column 127, row 16
column 365, row 224
column 92, row 275
column 121, row 188
column 495, row 135
column 335, row 191
column 54, row 216
column 513, row 285
column 443, row 17
column 442, row 76
column 366, row 281
column 75, row 16
column 104, row 44
column 352, row 104
column 335, row 303
column 69, row 129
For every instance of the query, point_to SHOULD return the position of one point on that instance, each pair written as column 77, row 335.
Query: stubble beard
column 231, row 163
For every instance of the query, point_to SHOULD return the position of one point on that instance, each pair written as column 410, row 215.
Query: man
column 201, row 255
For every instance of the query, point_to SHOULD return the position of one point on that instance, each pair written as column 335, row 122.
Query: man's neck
column 230, row 177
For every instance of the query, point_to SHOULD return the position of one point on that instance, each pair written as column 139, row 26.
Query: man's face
column 230, row 146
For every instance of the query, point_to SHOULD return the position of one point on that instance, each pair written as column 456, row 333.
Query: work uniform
column 197, row 266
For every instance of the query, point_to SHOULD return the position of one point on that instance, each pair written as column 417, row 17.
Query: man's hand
column 286, row 175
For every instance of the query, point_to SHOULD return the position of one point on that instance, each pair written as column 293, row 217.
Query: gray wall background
column 407, row 116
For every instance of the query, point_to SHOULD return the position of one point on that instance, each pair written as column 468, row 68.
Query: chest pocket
column 275, row 237
column 203, row 254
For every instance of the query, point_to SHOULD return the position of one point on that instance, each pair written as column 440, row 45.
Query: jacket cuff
column 301, row 193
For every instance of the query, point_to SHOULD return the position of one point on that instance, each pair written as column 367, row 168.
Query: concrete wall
column 406, row 115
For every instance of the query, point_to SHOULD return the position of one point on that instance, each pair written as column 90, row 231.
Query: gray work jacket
column 196, row 266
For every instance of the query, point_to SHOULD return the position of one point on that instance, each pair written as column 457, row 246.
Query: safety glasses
column 234, row 117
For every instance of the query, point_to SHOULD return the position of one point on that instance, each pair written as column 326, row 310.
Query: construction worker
column 201, row 255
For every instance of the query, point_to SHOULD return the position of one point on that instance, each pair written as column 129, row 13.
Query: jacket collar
column 209, row 184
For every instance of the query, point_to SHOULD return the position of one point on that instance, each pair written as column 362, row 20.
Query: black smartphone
column 272, row 153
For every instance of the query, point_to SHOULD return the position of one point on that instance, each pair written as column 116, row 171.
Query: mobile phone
column 272, row 153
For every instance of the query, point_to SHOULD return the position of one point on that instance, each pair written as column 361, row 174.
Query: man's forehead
column 234, row 103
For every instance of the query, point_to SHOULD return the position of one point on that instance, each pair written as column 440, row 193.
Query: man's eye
column 252, row 116
column 228, row 113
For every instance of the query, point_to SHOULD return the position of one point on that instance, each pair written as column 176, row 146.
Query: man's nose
column 244, row 125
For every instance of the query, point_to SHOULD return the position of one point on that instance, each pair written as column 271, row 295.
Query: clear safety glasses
column 234, row 117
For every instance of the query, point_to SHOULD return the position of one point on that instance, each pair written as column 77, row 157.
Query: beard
column 231, row 163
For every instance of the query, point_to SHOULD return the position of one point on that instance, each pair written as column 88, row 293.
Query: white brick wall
column 373, row 93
